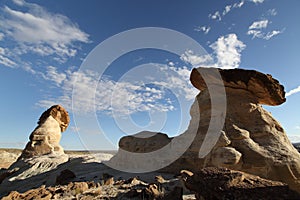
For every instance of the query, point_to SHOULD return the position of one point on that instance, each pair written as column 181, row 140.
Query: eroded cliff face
column 250, row 140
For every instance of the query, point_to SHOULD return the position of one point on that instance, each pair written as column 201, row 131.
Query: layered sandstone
column 46, row 136
column 249, row 138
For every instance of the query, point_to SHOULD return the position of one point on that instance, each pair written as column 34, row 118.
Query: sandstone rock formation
column 222, row 183
column 265, row 89
column 250, row 140
column 42, row 154
column 140, row 143
column 46, row 136
column 7, row 158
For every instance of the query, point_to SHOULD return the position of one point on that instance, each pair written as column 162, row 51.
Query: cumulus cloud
column 227, row 50
column 204, row 29
column 227, row 53
column 293, row 91
column 118, row 97
column 41, row 32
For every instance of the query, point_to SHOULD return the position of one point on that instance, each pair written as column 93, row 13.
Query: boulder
column 144, row 142
column 222, row 183
column 46, row 136
column 65, row 177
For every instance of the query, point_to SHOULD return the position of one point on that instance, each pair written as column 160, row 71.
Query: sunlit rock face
column 46, row 136
column 250, row 140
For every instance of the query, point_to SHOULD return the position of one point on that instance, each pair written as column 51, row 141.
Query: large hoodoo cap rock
column 264, row 87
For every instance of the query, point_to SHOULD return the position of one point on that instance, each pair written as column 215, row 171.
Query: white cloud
column 259, row 24
column 29, row 69
column 53, row 75
column 262, row 35
column 227, row 53
column 293, row 91
column 40, row 31
column 294, row 138
column 257, row 1
column 227, row 50
column 123, row 97
column 238, row 5
column 19, row 2
column 226, row 10
column 256, row 32
column 4, row 60
column 272, row 12
column 204, row 29
column 196, row 60
column 271, row 34
column 215, row 16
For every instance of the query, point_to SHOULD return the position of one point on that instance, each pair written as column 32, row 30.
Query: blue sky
column 43, row 45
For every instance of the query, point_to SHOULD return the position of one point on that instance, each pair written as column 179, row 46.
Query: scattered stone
column 78, row 187
column 222, row 183
column 151, row 192
column 40, row 193
column 65, row 177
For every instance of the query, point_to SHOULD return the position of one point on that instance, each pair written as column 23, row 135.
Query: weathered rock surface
column 222, row 183
column 42, row 154
column 142, row 143
column 46, row 136
column 7, row 158
column 265, row 89
column 250, row 140
column 130, row 189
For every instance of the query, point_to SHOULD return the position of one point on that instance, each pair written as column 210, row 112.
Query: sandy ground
column 9, row 156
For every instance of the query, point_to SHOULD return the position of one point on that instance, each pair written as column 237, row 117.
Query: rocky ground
column 83, row 176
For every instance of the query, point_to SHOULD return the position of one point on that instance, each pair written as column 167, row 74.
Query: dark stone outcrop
column 222, row 183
